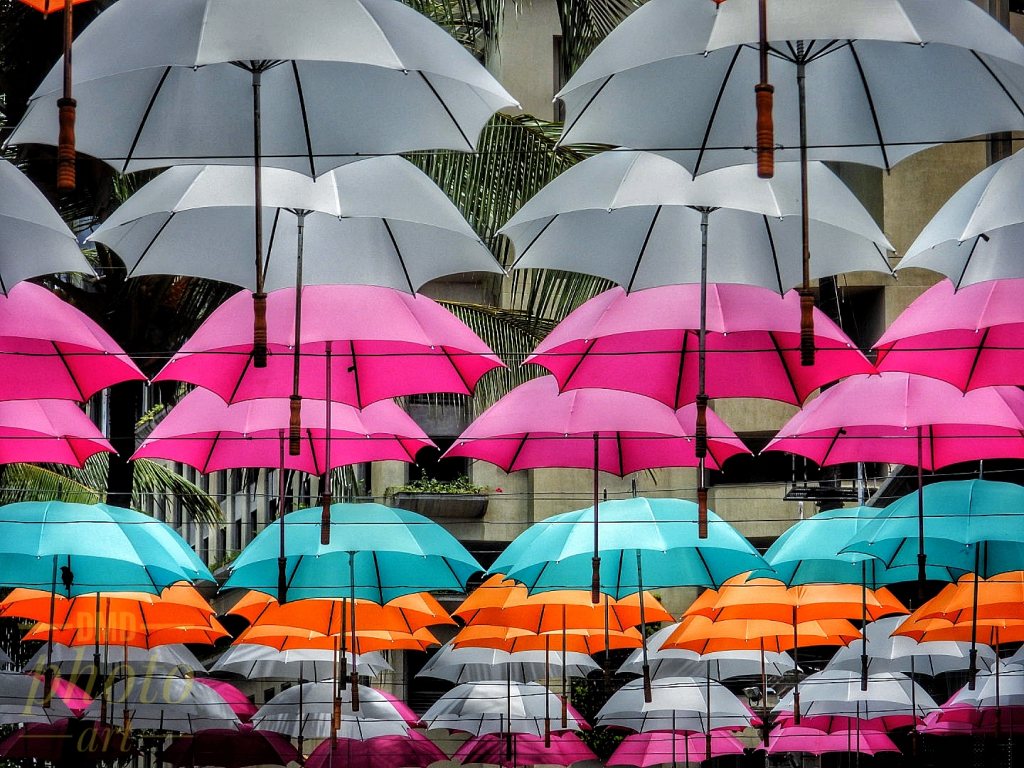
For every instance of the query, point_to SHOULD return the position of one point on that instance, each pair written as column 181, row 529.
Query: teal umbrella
column 91, row 548
column 375, row 553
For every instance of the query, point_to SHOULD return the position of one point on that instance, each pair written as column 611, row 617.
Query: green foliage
column 588, row 696
column 429, row 485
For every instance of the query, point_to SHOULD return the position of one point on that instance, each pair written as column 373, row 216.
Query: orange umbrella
column 987, row 631
column 288, row 638
column 703, row 635
column 135, row 638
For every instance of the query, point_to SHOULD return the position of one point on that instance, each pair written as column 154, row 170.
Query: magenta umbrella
column 905, row 418
column 75, row 742
column 964, row 720
column 844, row 722
column 230, row 748
column 527, row 749
column 414, row 750
column 53, row 431
column 801, row 738
column 52, row 350
column 971, row 338
column 206, row 433
column 370, row 343
column 661, row 747
column 238, row 701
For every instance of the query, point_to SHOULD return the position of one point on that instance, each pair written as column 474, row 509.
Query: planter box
column 442, row 506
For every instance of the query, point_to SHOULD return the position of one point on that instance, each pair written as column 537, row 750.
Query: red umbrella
column 527, row 749
column 231, row 748
column 413, row 750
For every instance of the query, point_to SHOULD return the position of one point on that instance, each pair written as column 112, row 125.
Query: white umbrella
column 180, row 704
column 1005, row 689
column 478, row 664
column 261, row 662
column 305, row 712
column 499, row 707
column 978, row 234
column 380, row 221
column 163, row 660
column 34, row 240
column 641, row 220
column 21, row 700
column 722, row 665
column 887, row 653
column 838, row 693
column 696, row 704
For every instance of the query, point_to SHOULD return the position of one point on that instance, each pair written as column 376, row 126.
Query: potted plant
column 450, row 499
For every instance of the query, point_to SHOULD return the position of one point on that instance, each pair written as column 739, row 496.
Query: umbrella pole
column 342, row 671
column 913, row 704
column 764, row 698
column 673, row 738
column 763, row 98
column 547, row 685
column 66, row 114
column 606, row 661
column 643, row 630
column 302, row 723
column 686, row 748
column 282, row 561
column 295, row 401
column 259, row 297
column 701, row 428
column 352, row 592
column 707, row 725
column 508, row 711
column 796, row 664
column 565, row 677
column 998, row 712
column 922, row 558
column 48, row 672
column 863, row 625
column 325, row 516
column 336, row 694
column 972, row 669
column 806, row 294
column 595, row 582
column 96, row 641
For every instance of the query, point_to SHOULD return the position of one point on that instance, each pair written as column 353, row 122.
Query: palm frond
column 585, row 23
column 32, row 482
column 154, row 479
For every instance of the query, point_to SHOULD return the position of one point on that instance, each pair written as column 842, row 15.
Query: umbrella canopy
column 663, row 747
column 965, row 720
column 51, row 431
column 380, row 221
column 79, row 661
column 514, row 640
column 21, row 700
column 364, row 640
column 895, row 653
column 998, row 597
column 178, row 704
column 971, row 337
column 801, row 738
column 492, row 749
column 468, row 663
column 535, row 426
column 261, row 662
column 416, row 555
column 974, row 235
column 34, row 240
column 556, row 553
column 677, row 704
column 237, row 700
column 704, row 635
column 70, row 741
column 103, row 548
column 333, row 81
column 54, row 350
column 635, row 218
column 838, row 692
column 230, row 748
column 383, row 343
column 411, row 750
column 905, row 418
column 993, row 690
column 305, row 711
column 499, row 707
column 875, row 80
column 973, row 631
column 646, row 342
column 203, row 431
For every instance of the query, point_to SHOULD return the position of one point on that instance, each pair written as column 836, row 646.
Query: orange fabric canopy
column 999, row 597
column 703, row 635
column 291, row 638
column 513, row 639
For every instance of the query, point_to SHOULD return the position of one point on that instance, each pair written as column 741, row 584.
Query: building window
column 430, row 464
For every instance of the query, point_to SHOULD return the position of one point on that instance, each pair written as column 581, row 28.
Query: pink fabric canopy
column 55, row 431
column 661, row 747
column 527, row 749
column 801, row 738
column 411, row 751
column 646, row 342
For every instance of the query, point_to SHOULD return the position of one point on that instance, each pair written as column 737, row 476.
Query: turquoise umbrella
column 375, row 553
column 93, row 548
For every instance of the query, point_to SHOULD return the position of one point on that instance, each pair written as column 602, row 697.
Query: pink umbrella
column 374, row 343
column 76, row 698
column 403, row 709
column 661, row 747
column 958, row 720
column 831, row 723
column 206, row 433
column 238, row 701
column 801, row 738
column 527, row 749
column 535, row 426
column 55, row 431
column 53, row 350
column 413, row 750
column 906, row 418
column 231, row 748
column 971, row 338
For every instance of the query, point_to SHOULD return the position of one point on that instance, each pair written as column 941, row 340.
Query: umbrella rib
column 354, row 370
column 469, row 144
column 714, row 111
column 977, row 357
column 643, row 248
column 241, row 377
column 519, row 449
column 998, row 81
column 707, row 568
column 398, row 253
column 679, row 373
column 871, row 106
column 312, row 450
column 270, row 243
column 775, row 255
column 145, row 118
column 578, row 363
column 967, row 263
column 448, row 356
column 789, row 376
column 67, row 368
column 586, row 106
column 152, row 241
column 931, row 446
column 209, row 455
column 618, row 445
column 380, row 586
column 536, row 237
column 305, row 120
